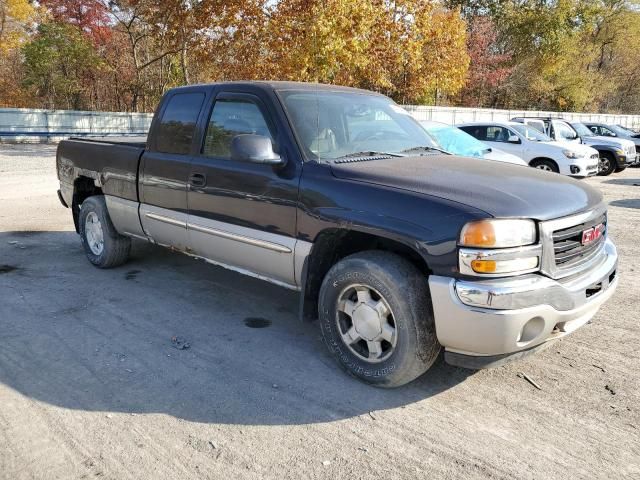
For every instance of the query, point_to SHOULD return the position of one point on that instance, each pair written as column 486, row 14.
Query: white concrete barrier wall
column 454, row 115
column 35, row 125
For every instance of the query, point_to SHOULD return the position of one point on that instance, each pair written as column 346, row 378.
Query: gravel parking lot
column 92, row 384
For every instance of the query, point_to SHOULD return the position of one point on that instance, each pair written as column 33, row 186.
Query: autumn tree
column 56, row 63
column 490, row 66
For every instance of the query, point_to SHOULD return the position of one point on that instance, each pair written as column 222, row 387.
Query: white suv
column 536, row 148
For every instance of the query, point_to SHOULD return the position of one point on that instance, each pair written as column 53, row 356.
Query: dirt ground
column 92, row 386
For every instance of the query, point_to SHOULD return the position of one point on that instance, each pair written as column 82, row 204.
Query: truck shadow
column 168, row 334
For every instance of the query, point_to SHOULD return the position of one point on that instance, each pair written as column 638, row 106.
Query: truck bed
column 111, row 162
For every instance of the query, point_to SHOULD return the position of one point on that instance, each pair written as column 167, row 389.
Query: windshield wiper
column 369, row 153
column 423, row 147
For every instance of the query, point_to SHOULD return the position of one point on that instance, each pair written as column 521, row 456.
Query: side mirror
column 513, row 139
column 255, row 149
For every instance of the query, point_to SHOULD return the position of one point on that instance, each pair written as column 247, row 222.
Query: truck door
column 243, row 215
column 165, row 168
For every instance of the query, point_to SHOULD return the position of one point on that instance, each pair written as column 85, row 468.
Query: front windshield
column 531, row 133
column 453, row 140
column 335, row 124
column 582, row 129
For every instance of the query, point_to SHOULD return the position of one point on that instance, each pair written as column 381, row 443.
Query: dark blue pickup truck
column 398, row 249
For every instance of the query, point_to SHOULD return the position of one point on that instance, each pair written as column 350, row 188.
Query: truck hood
column 498, row 188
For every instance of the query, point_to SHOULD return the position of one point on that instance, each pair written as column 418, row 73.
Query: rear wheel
column 546, row 165
column 376, row 318
column 607, row 164
column 103, row 245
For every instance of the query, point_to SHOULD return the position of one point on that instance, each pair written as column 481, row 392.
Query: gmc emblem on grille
column 592, row 234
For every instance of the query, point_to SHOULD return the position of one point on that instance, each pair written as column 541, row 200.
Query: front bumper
column 499, row 319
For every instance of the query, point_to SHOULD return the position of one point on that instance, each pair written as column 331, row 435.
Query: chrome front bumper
column 499, row 317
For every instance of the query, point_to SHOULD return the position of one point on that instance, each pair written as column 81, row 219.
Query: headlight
column 572, row 154
column 499, row 247
column 618, row 151
column 498, row 233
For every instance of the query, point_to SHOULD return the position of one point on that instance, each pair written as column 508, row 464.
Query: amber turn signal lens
column 479, row 234
column 484, row 266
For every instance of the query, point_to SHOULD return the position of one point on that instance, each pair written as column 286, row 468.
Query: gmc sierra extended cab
column 398, row 249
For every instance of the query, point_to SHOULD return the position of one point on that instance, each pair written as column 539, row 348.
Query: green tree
column 57, row 62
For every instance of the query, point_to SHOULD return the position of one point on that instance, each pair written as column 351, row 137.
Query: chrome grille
column 563, row 253
column 567, row 242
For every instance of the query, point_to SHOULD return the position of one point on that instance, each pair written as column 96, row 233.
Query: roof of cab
column 282, row 85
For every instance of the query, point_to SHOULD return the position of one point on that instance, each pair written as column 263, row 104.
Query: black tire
column 544, row 164
column 116, row 247
column 405, row 290
column 621, row 169
column 606, row 165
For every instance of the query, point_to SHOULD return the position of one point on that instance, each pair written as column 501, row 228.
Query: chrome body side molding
column 272, row 257
column 240, row 238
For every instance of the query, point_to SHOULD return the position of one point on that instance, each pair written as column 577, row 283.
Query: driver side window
column 498, row 134
column 230, row 118
column 565, row 132
column 606, row 132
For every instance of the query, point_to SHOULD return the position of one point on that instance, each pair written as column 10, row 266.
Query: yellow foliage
column 408, row 49
column 14, row 14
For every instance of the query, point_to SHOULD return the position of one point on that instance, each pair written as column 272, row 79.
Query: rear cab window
column 178, row 124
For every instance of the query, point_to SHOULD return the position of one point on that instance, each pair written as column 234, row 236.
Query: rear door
column 165, row 168
column 241, row 214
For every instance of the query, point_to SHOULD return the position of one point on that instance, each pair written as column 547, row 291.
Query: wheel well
column 545, row 159
column 333, row 245
column 83, row 188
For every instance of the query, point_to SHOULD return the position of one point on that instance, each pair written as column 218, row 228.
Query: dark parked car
column 338, row 193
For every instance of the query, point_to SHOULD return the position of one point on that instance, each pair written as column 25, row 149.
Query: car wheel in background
column 607, row 164
column 546, row 165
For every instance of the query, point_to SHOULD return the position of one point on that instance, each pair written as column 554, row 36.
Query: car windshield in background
column 582, row 129
column 334, row 124
column 531, row 133
column 453, row 140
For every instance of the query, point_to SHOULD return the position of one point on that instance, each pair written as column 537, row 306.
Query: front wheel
column 607, row 165
column 104, row 246
column 546, row 165
column 376, row 318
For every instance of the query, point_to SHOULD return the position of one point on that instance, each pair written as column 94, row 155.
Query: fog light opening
column 531, row 330
column 575, row 169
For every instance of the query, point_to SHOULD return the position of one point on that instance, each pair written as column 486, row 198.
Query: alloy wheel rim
column 604, row 164
column 94, row 233
column 544, row 167
column 366, row 323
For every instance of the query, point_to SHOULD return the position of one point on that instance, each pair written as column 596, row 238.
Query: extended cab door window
column 231, row 117
column 178, row 123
